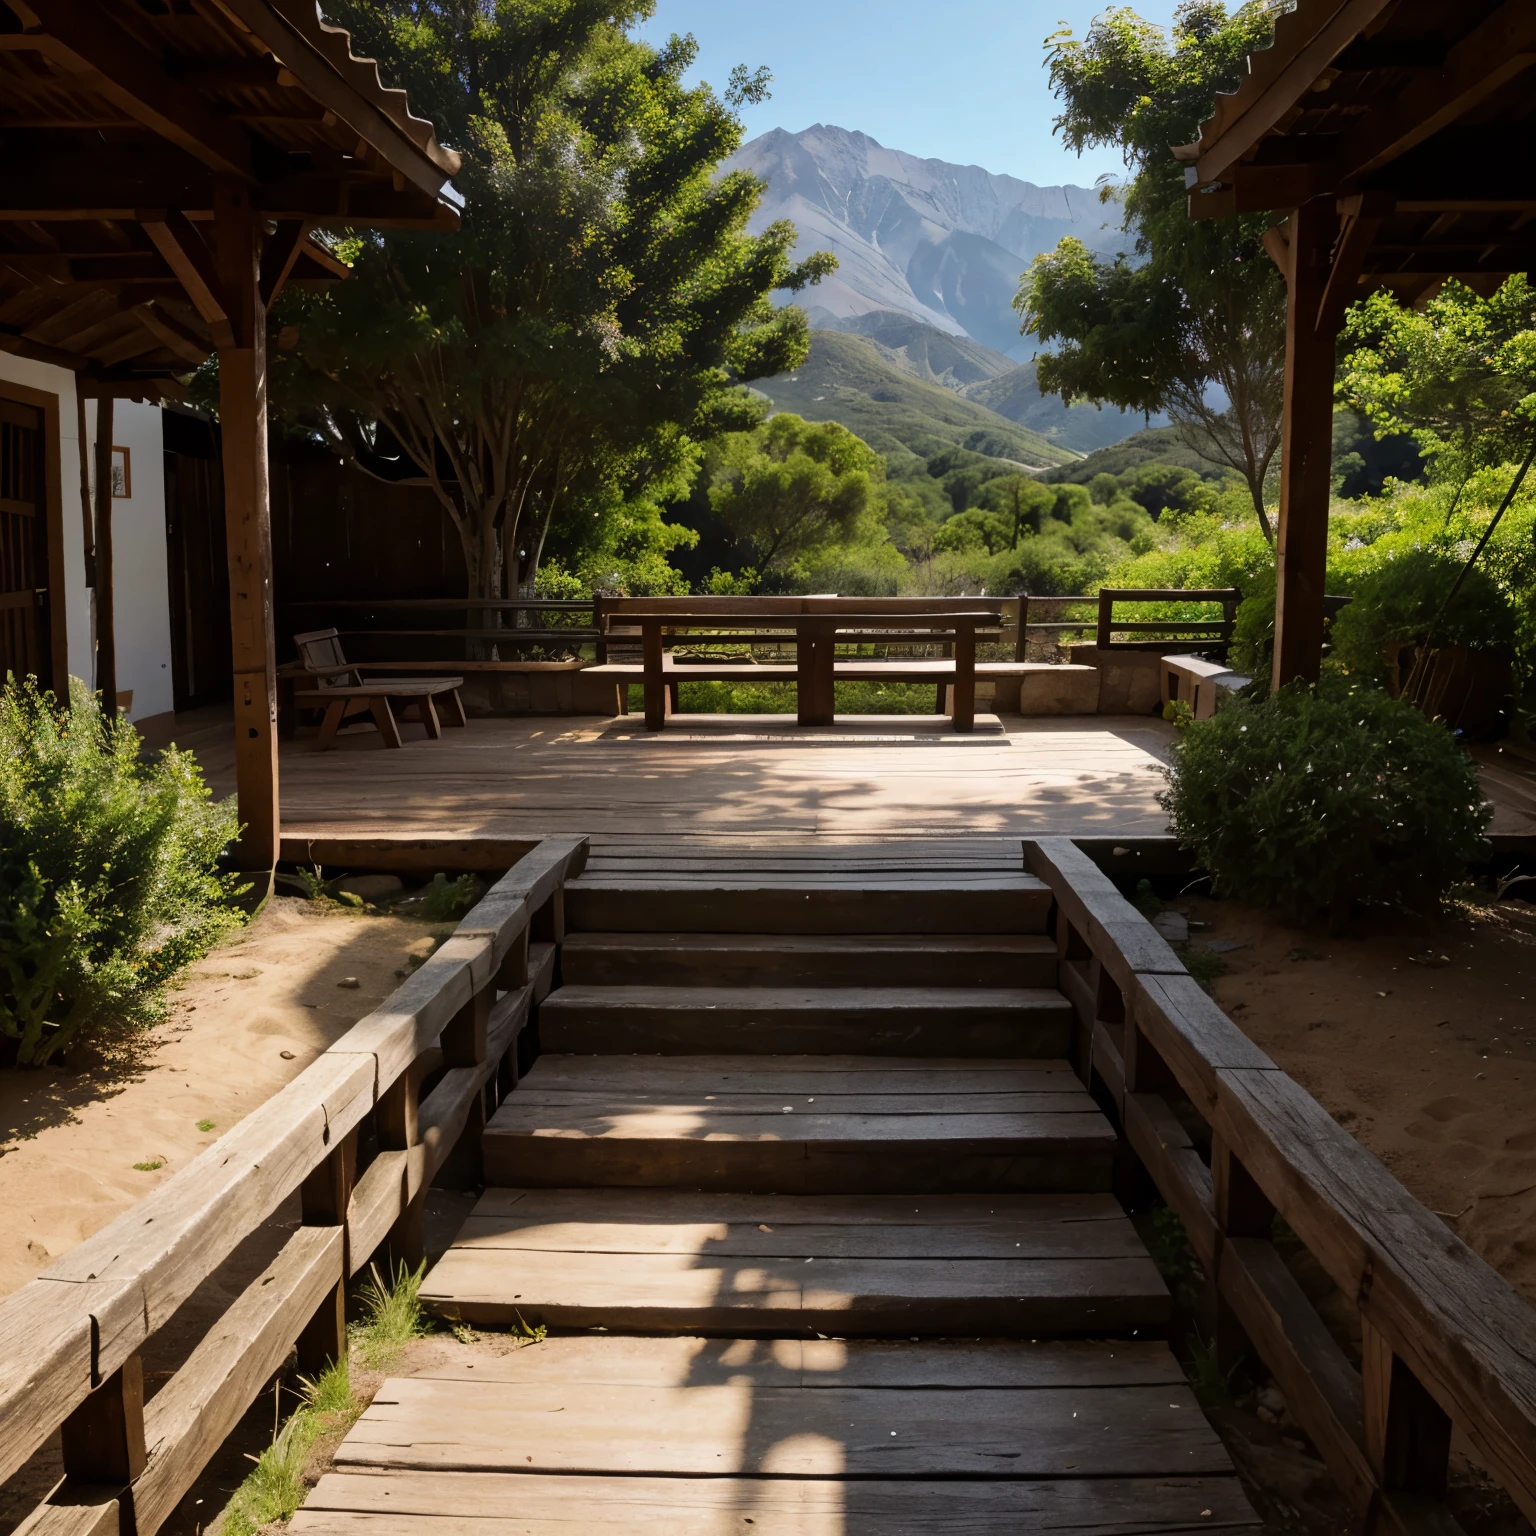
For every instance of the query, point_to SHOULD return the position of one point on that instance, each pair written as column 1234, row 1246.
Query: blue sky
column 959, row 80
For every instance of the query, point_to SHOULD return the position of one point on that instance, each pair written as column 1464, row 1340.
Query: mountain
column 941, row 243
column 1157, row 445
column 882, row 393
column 1016, row 396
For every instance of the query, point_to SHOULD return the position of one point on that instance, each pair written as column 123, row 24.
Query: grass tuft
column 393, row 1316
column 150, row 1166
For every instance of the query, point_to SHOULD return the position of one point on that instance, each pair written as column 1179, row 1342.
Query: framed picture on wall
column 122, row 476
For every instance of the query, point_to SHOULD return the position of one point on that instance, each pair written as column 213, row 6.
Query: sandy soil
column 246, row 1020
column 1420, row 1038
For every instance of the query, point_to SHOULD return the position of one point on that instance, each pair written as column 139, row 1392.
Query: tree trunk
column 482, row 568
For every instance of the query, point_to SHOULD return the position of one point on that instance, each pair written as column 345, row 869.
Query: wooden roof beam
column 190, row 259
column 1363, row 216
column 173, row 335
column 87, row 42
column 1495, row 52
column 1292, row 82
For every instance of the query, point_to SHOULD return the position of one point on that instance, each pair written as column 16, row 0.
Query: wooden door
column 24, row 625
column 197, row 566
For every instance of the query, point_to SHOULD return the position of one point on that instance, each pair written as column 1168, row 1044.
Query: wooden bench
column 341, row 690
column 816, row 626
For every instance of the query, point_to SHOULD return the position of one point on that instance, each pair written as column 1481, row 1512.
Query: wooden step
column 679, row 1261
column 824, row 960
column 837, row 901
column 1026, row 1022
column 841, row 1125
column 994, row 1412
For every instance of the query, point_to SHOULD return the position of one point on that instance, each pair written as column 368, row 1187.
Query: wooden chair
column 341, row 690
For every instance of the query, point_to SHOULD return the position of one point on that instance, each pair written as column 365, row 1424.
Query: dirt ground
column 71, row 1135
column 1420, row 1038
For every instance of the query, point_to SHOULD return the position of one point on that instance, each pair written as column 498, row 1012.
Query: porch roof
column 120, row 120
column 1417, row 116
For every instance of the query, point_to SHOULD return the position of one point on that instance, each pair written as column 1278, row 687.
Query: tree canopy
column 1192, row 323
column 555, row 363
column 792, row 488
column 1458, row 376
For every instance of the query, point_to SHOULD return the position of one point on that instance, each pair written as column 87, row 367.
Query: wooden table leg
column 964, row 716
column 331, row 724
column 427, row 714
column 655, row 684
column 384, row 718
column 453, row 709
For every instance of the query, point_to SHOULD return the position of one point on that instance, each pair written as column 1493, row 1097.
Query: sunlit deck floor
column 707, row 777
column 747, row 777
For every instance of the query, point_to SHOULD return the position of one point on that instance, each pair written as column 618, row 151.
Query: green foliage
column 865, row 698
column 1458, row 375
column 394, row 1315
column 1323, row 800
column 548, row 369
column 1395, row 605
column 108, row 871
column 1201, row 306
column 791, row 489
column 1170, row 1247
column 446, row 901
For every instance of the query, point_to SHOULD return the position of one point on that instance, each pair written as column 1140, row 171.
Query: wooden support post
column 464, row 1045
column 1242, row 1210
column 103, row 1439
column 1106, row 618
column 247, row 513
column 323, row 1199
column 399, row 1131
column 1021, row 639
column 1306, row 447
column 547, row 924
column 106, row 619
column 651, row 661
column 513, row 972
column 964, row 715
column 1407, row 1433
column 815, row 647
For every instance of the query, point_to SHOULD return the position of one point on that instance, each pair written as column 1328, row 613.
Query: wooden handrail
column 1447, row 1341
column 70, row 1339
column 1220, row 630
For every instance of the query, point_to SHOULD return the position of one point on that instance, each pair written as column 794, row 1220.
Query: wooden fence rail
column 70, row 1340
column 1231, row 1141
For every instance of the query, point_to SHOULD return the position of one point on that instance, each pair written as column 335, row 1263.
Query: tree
column 1195, row 324
column 793, row 489
column 1458, row 376
column 566, row 349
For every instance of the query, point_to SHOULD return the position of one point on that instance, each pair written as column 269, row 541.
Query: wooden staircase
column 803, row 1177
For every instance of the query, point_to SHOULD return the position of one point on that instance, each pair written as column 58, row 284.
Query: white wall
column 138, row 523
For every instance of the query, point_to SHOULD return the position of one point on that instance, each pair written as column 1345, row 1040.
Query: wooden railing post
column 323, row 1199
column 1106, row 617
column 464, row 1045
column 103, row 1439
column 1407, row 1433
column 1242, row 1210
column 399, row 1131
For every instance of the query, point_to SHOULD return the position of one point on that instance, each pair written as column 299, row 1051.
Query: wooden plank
column 1193, row 1035
column 1451, row 1317
column 1017, row 1022
column 188, row 1419
column 803, row 1075
column 424, row 1503
column 736, row 1427
column 1321, row 1387
column 721, row 904
column 558, row 1101
column 1182, row 1179
column 1123, row 940
column 713, row 1293
column 75, row 1510
column 149, row 1260
column 1002, row 960
column 408, row 855
column 45, row 1342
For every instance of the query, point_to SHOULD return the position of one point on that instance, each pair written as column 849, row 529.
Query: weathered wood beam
column 1498, row 50
column 188, row 257
column 88, row 42
column 282, row 251
column 1292, row 81
column 1306, row 444
column 1363, row 216
column 173, row 335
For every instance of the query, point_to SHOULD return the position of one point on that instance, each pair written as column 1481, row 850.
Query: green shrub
column 1323, row 800
column 1396, row 604
column 108, row 878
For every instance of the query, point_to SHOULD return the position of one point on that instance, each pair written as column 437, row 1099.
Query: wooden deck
column 710, row 779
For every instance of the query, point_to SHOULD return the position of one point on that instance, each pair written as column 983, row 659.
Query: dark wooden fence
column 1231, row 1142
column 426, row 1067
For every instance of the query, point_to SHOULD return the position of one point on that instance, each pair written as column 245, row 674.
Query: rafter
column 189, row 258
